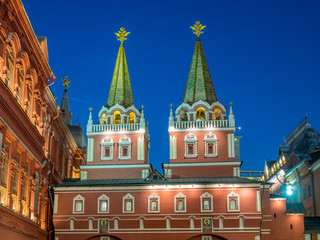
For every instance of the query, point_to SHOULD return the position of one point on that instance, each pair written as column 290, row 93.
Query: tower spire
column 120, row 90
column 64, row 106
column 199, row 84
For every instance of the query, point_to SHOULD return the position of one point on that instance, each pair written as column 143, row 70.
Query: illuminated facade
column 37, row 147
column 201, row 196
column 298, row 166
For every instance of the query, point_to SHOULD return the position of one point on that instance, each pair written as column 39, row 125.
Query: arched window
column 107, row 148
column 78, row 204
column 200, row 114
column 125, row 151
column 211, row 145
column 217, row 114
column 128, row 203
column 131, row 117
column 29, row 97
column 233, row 204
column 154, row 203
column 116, row 117
column 103, row 119
column 20, row 84
column 125, row 148
column 10, row 66
column 206, row 202
column 103, row 204
column 190, row 149
column 180, row 203
column 190, row 145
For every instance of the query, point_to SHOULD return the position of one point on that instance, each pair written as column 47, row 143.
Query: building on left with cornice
column 38, row 147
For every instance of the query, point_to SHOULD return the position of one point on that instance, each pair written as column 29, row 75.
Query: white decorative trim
column 210, row 138
column 190, row 139
column 201, row 164
column 173, row 147
column 106, row 142
column 140, row 146
column 103, row 197
column 126, row 197
column 153, row 196
column 258, row 201
column 115, row 166
column 78, row 198
column 206, row 195
column 231, row 151
column 180, row 196
column 233, row 195
column 55, row 206
column 125, row 142
column 90, row 150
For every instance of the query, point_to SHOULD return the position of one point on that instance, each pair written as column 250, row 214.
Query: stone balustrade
column 202, row 124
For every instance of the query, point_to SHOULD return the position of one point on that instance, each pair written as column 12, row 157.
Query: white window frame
column 107, row 142
column 168, row 173
column 153, row 196
column 233, row 195
column 103, row 197
column 123, row 142
column 190, row 139
column 126, row 197
column 210, row 138
column 180, row 196
column 206, row 195
column 75, row 200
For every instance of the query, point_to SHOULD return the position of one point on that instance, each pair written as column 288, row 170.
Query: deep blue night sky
column 263, row 55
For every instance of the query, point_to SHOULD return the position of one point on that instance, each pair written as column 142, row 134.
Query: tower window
column 190, row 149
column 125, row 151
column 200, row 113
column 107, row 148
column 190, row 145
column 107, row 152
column 131, row 117
column 117, row 117
column 210, row 141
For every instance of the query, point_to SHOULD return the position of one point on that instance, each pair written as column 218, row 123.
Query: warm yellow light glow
column 116, row 117
column 131, row 117
column 200, row 113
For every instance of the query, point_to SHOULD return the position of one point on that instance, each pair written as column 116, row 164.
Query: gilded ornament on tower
column 122, row 35
column 197, row 28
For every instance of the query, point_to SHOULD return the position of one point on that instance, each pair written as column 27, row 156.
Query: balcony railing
column 202, row 124
column 115, row 127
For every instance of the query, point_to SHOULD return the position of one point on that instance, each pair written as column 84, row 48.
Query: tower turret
column 118, row 144
column 201, row 137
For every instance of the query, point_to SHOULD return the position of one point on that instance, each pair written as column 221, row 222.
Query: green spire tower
column 120, row 90
column 199, row 84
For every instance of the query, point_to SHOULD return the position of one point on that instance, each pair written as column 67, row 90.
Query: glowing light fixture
column 289, row 190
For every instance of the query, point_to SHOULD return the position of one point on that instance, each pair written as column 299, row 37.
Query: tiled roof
column 311, row 225
column 140, row 181
column 199, row 84
column 295, row 208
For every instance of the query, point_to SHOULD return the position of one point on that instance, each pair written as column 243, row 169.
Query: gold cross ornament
column 122, row 35
column 197, row 28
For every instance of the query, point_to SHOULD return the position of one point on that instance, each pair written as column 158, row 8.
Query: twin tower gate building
column 201, row 195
